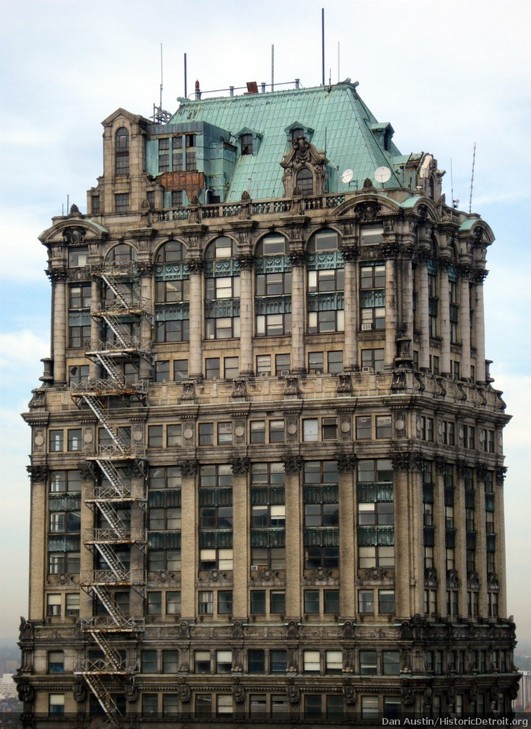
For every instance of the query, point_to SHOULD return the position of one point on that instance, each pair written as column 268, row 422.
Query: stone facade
column 266, row 467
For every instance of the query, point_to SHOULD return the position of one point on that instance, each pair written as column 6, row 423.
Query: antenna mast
column 323, row 46
column 159, row 115
column 472, row 179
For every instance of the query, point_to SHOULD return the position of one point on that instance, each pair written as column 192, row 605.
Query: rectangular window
column 366, row 602
column 329, row 428
column 334, row 662
column 206, row 434
column 256, row 661
column 56, row 704
column 170, row 661
column 278, row 661
column 263, row 365
column 56, row 662
column 391, row 663
column 155, row 436
column 170, row 705
column 203, row 705
column 277, row 602
column 368, row 663
column 310, row 429
column 331, row 602
column 372, row 360
column 335, row 362
column 223, row 661
column 224, row 602
column 363, row 427
column 149, row 662
column 257, row 433
column 121, row 202
column 276, row 431
column 180, row 370
column 282, row 364
column 72, row 604
column 154, row 603
column 173, row 602
column 383, row 426
column 162, row 371
column 312, row 706
column 311, row 602
column 56, row 441
column 232, row 367
column 224, row 433
column 202, row 661
column 212, row 368
column 315, row 363
column 223, row 705
column 53, row 606
column 174, row 435
column 386, row 602
column 312, row 661
column 258, row 602
column 206, row 602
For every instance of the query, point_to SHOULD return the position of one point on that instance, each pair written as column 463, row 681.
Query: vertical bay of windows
column 79, row 314
column 454, row 304
column 215, row 518
column 321, row 515
column 372, row 296
column 268, row 515
column 164, row 519
column 222, row 290
column 325, row 283
column 121, row 152
column 272, row 287
column 433, row 300
column 172, row 293
column 375, row 513
column 64, row 522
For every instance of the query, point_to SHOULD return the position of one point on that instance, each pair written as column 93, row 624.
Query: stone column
column 479, row 326
column 403, row 536
column 439, row 556
column 298, row 365
column 464, row 321
column 444, row 316
column 460, row 535
column 146, row 293
column 499, row 526
column 240, row 532
column 294, row 536
column 189, row 538
column 95, row 326
column 350, row 255
column 416, row 499
column 195, row 363
column 346, row 463
column 38, row 550
column 58, row 277
column 88, row 520
column 246, row 315
column 481, row 539
column 390, row 313
column 423, row 308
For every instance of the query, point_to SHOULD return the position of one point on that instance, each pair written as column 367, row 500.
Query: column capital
column 293, row 464
column 350, row 253
column 346, row 462
column 38, row 474
column 246, row 261
column 240, row 466
column 57, row 275
column 189, row 468
column 297, row 257
column 195, row 265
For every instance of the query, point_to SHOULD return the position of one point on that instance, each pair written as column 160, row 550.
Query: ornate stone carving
column 189, row 468
column 389, row 249
column 368, row 209
column 349, row 692
column 297, row 257
column 346, row 462
column 74, row 235
column 246, row 261
column 239, row 388
column 344, row 383
column 294, row 692
column 25, row 629
column 292, row 385
column 501, row 472
column 293, row 464
column 240, row 466
column 401, row 460
column 188, row 392
column 407, row 694
column 452, row 579
column 185, row 693
column 38, row 474
column 195, row 265
column 350, row 254
column 79, row 691
column 57, row 275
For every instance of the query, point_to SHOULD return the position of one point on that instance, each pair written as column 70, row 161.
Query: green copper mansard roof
column 334, row 118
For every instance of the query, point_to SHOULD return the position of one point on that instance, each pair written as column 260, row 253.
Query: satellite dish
column 347, row 176
column 382, row 174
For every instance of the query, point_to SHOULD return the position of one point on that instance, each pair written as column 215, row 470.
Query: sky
column 447, row 74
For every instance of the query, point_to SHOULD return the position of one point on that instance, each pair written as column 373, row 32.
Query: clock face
column 382, row 174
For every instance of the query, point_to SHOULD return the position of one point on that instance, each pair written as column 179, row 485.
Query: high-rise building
column 266, row 463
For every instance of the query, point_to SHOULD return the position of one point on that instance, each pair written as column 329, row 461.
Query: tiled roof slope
column 341, row 125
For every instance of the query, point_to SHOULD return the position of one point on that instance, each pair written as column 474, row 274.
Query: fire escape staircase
column 114, row 488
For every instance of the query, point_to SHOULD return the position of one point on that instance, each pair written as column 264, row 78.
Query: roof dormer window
column 246, row 144
column 122, row 151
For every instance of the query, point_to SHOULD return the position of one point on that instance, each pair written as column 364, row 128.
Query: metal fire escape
column 115, row 465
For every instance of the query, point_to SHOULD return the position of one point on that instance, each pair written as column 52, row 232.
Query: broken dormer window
column 246, row 144
column 297, row 133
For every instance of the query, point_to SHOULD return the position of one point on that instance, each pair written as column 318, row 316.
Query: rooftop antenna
column 455, row 201
column 338, row 61
column 272, row 67
column 472, row 179
column 159, row 115
column 185, row 78
column 323, row 46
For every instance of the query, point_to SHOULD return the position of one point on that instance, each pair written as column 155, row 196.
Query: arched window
column 325, row 283
column 304, row 181
column 172, row 293
column 222, row 290
column 273, row 286
column 122, row 151
column 122, row 254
